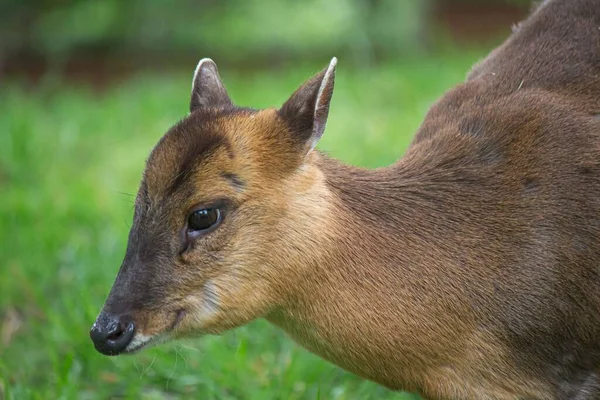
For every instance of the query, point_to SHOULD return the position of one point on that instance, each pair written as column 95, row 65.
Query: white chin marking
column 139, row 341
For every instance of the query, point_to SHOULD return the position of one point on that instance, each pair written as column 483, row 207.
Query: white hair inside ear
column 207, row 88
column 306, row 110
column 322, row 104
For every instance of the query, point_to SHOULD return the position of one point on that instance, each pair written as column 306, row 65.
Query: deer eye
column 201, row 220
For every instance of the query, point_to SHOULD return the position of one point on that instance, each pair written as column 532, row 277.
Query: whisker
column 182, row 357
column 148, row 368
column 174, row 369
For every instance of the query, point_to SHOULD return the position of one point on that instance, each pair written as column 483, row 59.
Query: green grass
column 70, row 162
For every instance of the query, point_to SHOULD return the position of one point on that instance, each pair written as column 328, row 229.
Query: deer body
column 467, row 270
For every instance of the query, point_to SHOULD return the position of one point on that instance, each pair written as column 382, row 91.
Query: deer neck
column 366, row 301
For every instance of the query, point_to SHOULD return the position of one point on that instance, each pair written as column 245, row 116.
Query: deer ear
column 207, row 88
column 307, row 109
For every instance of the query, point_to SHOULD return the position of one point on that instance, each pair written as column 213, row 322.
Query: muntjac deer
column 470, row 269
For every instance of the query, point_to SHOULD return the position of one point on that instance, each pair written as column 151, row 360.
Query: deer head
column 228, row 214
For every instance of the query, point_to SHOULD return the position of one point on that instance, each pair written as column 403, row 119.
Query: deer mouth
column 141, row 341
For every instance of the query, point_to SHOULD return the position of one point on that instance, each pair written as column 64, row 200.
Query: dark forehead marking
column 202, row 138
column 234, row 180
column 189, row 142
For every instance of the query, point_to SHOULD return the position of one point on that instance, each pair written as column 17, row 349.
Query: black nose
column 111, row 333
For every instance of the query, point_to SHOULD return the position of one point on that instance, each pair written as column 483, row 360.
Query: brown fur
column 468, row 270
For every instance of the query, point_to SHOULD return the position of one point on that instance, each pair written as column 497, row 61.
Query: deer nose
column 112, row 333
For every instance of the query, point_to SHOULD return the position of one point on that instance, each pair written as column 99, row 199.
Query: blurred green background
column 86, row 90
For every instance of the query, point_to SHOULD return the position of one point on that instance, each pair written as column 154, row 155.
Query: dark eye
column 201, row 220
